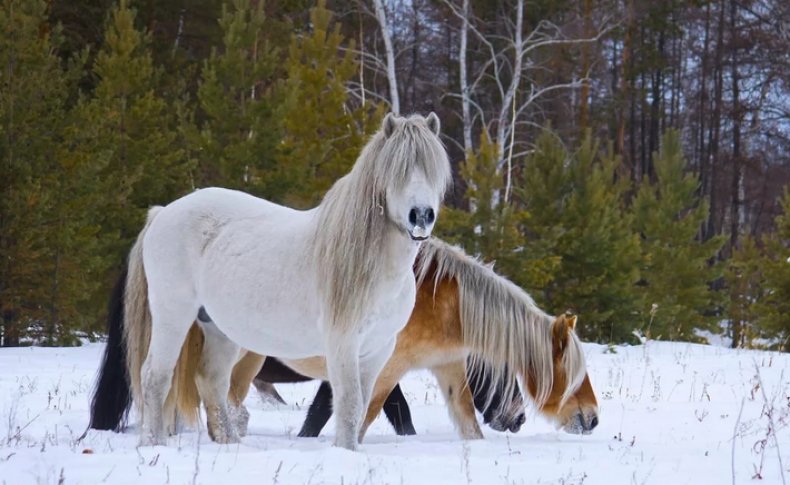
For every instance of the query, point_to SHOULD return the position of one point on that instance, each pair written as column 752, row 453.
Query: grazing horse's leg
column 387, row 379
column 370, row 370
column 244, row 372
column 397, row 411
column 318, row 413
column 343, row 367
column 453, row 382
column 395, row 407
column 213, row 382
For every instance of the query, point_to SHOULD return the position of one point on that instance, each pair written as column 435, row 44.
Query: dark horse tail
column 112, row 397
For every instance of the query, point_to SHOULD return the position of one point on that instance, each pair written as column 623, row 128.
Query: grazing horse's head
column 415, row 173
column 572, row 405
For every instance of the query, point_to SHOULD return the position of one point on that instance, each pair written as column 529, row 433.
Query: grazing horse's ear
column 389, row 124
column 570, row 318
column 561, row 328
column 433, row 123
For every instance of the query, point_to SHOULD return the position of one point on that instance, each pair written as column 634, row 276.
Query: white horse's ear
column 433, row 123
column 389, row 124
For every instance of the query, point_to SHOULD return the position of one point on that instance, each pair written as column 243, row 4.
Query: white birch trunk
column 503, row 122
column 467, row 117
column 381, row 16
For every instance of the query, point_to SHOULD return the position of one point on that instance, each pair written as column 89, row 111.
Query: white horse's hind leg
column 342, row 362
column 213, row 382
column 157, row 374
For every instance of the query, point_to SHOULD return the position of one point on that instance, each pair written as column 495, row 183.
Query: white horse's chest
column 391, row 312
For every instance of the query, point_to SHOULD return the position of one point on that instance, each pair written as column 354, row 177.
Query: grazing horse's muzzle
column 582, row 423
column 421, row 220
column 508, row 423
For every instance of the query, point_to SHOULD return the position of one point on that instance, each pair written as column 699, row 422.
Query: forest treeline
column 623, row 159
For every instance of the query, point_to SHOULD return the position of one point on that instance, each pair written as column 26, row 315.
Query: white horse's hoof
column 151, row 440
column 224, row 438
column 221, row 428
column 349, row 445
column 240, row 418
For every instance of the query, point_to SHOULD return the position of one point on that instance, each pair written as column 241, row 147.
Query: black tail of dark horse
column 112, row 397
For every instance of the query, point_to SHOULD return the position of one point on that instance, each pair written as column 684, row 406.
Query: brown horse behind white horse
column 463, row 308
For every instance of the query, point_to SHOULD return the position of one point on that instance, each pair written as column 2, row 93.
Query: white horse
column 334, row 281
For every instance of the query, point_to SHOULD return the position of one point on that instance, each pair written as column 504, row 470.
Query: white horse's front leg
column 342, row 362
column 370, row 368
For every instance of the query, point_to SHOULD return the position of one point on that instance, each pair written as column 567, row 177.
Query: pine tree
column 675, row 269
column 121, row 154
column 745, row 284
column 774, row 309
column 32, row 103
column 322, row 132
column 129, row 129
column 76, row 263
column 576, row 215
column 491, row 227
column 235, row 139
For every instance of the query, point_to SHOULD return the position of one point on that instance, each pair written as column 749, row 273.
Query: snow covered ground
column 671, row 413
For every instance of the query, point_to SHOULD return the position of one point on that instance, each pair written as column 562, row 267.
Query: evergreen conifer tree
column 745, row 284
column 32, row 105
column 674, row 290
column 491, row 227
column 129, row 129
column 774, row 309
column 237, row 130
column 323, row 132
column 575, row 213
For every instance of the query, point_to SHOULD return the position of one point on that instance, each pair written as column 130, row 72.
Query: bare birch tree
column 508, row 64
column 386, row 35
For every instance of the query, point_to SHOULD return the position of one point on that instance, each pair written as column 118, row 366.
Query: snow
column 669, row 414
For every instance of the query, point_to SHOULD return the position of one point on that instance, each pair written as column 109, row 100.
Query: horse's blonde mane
column 353, row 225
column 500, row 322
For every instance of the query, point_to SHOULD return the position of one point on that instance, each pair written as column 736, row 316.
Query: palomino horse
column 463, row 308
column 334, row 281
column 498, row 413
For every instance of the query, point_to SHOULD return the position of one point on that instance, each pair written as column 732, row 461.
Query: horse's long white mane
column 501, row 323
column 353, row 225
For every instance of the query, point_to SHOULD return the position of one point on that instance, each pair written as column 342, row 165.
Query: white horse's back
column 242, row 259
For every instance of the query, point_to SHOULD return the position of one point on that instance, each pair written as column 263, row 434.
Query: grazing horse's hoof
column 471, row 432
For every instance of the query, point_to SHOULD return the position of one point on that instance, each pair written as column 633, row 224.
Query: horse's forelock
column 412, row 145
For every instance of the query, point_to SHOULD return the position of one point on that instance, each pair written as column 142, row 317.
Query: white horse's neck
column 400, row 251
